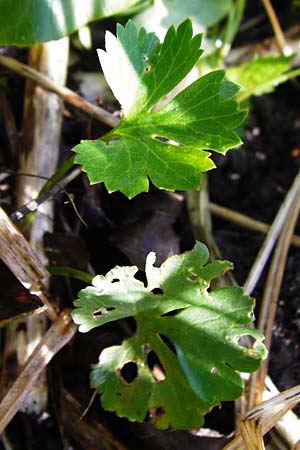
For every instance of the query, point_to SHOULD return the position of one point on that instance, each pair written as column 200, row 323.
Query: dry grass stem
column 259, row 420
column 269, row 301
column 268, row 245
column 276, row 27
column 245, row 221
column 59, row 334
column 17, row 254
column 65, row 93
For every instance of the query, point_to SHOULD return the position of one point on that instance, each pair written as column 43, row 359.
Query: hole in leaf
column 141, row 276
column 145, row 57
column 246, row 341
column 102, row 311
column 251, row 315
column 115, row 138
column 115, row 280
column 161, row 139
column 154, row 413
column 157, row 291
column 159, row 411
column 129, row 372
column 192, row 277
column 174, row 312
column 147, row 68
column 213, row 371
column 155, row 367
column 168, row 343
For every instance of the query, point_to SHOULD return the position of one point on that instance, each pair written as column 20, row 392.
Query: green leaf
column 186, row 352
column 261, row 75
column 163, row 13
column 168, row 145
column 31, row 21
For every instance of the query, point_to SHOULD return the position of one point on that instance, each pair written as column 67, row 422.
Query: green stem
column 66, row 271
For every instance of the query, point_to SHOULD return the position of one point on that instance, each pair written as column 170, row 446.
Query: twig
column 245, row 221
column 269, row 301
column 58, row 335
column 263, row 417
column 276, row 27
column 18, row 255
column 271, row 238
column 65, row 93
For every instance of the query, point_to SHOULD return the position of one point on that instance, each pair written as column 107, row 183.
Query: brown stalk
column 17, row 254
column 261, row 419
column 245, row 221
column 270, row 298
column 58, row 335
column 65, row 93
column 276, row 26
column 268, row 245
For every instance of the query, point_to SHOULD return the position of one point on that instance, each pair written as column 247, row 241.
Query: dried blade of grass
column 245, row 221
column 270, row 298
column 252, row 436
column 264, row 417
column 65, row 93
column 267, row 247
column 58, row 335
column 17, row 254
column 285, row 50
column 41, row 131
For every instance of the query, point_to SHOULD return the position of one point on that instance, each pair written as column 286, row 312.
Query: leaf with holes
column 168, row 145
column 188, row 346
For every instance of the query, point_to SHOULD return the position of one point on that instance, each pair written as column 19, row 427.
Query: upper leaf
column 162, row 13
column 168, row 145
column 192, row 335
column 32, row 21
column 140, row 70
column 261, row 75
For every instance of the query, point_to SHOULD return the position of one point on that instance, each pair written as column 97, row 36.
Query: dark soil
column 253, row 180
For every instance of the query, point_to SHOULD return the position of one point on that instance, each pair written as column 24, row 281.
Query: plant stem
column 65, row 93
column 276, row 27
column 245, row 221
column 270, row 297
column 271, row 238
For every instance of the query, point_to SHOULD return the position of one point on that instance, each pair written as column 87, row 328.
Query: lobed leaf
column 33, row 21
column 187, row 349
column 169, row 145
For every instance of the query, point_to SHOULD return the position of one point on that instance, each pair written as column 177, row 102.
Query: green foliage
column 261, row 75
column 191, row 333
column 167, row 145
column 163, row 13
column 25, row 22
